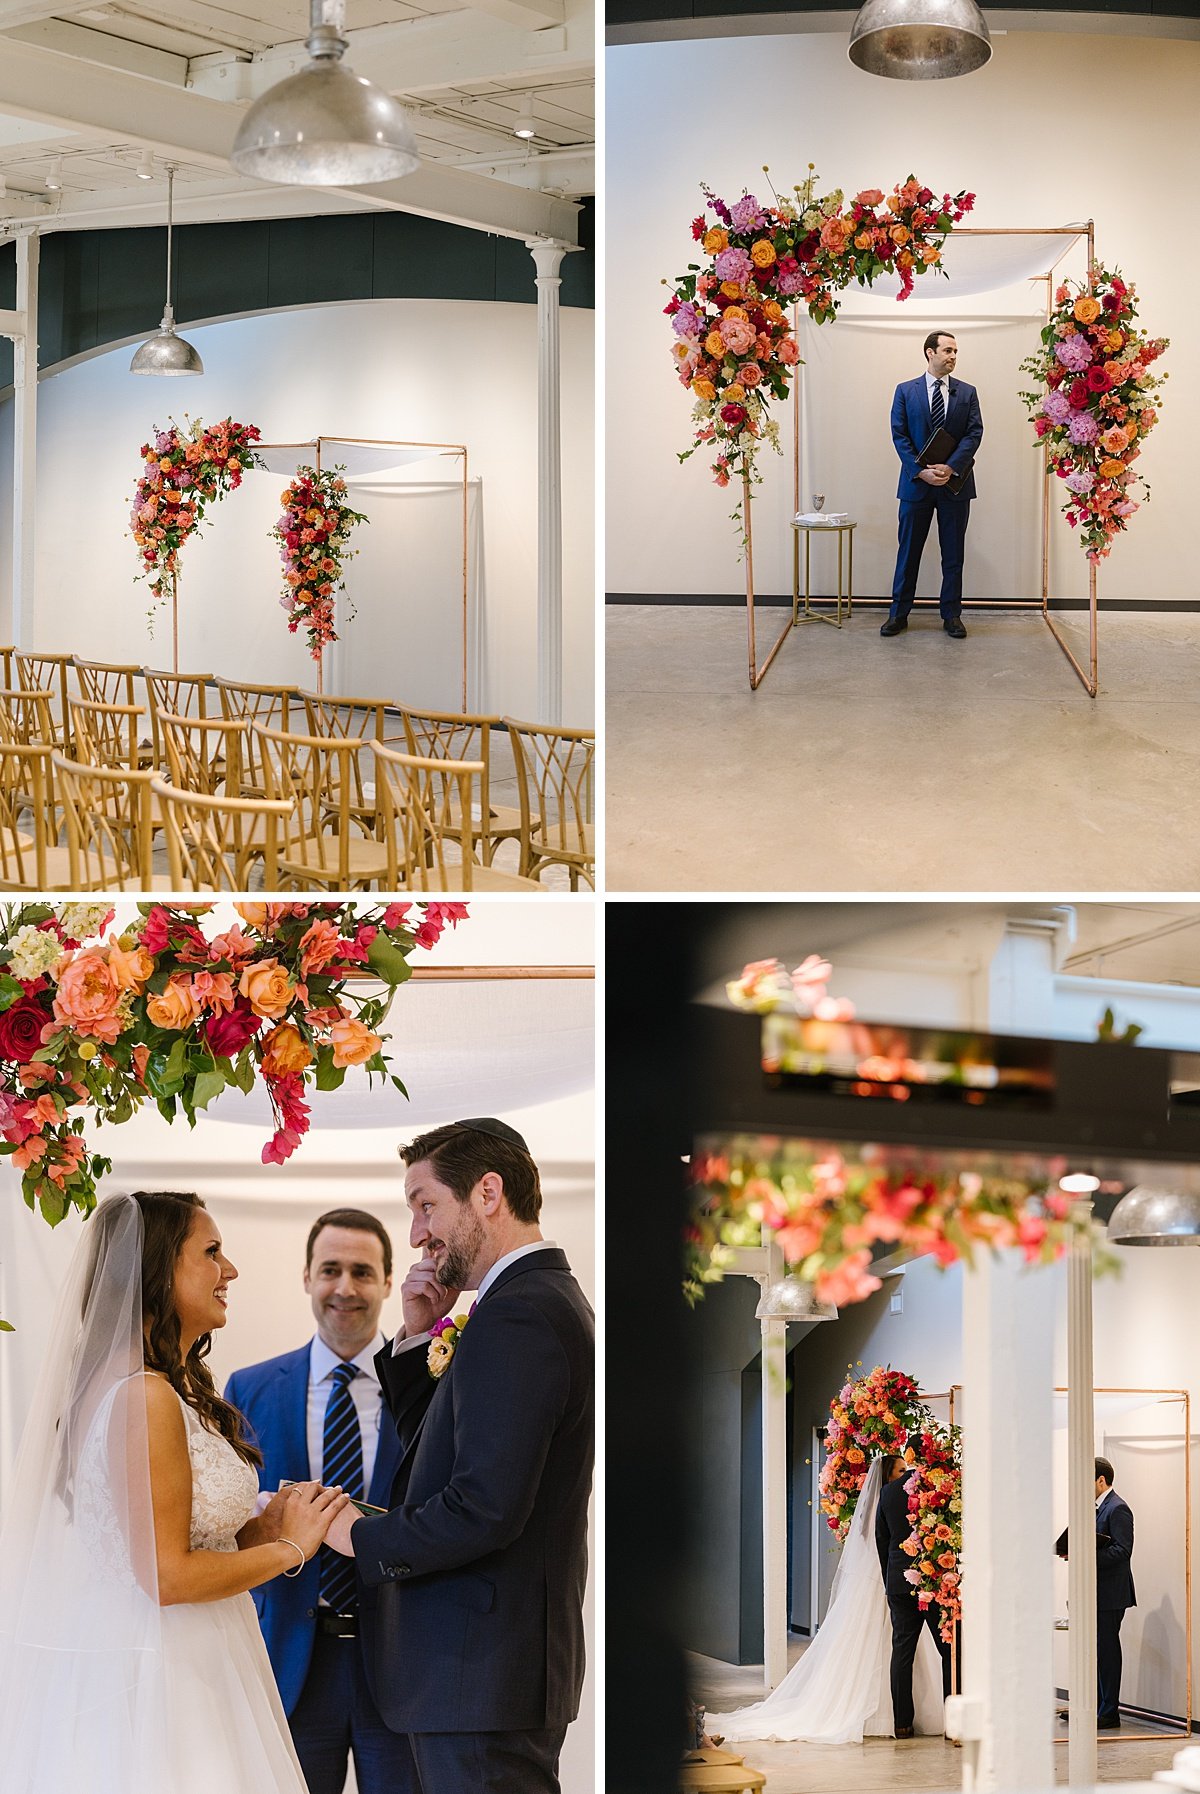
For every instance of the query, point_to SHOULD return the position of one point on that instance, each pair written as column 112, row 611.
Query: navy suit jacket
column 1114, row 1573
column 473, row 1584
column 273, row 1396
column 912, row 428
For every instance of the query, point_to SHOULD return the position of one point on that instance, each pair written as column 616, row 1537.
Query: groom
column 1114, row 1591
column 933, row 401
column 472, row 1585
column 892, row 1528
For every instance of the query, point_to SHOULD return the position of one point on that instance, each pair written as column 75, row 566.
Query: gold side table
column 809, row 615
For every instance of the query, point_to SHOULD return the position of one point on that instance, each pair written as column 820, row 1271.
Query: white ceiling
column 98, row 84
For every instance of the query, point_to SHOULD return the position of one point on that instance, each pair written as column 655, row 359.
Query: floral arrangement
column 184, row 471
column 313, row 536
column 935, row 1507
column 826, row 1210
column 444, row 1337
column 734, row 347
column 872, row 1416
column 766, row 986
column 1095, row 404
column 167, row 1012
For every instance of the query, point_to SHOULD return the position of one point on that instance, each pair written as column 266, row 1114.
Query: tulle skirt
column 225, row 1726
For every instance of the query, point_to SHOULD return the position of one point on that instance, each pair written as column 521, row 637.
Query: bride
column 130, row 1654
column 840, row 1690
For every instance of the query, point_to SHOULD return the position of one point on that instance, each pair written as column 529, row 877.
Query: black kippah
column 500, row 1130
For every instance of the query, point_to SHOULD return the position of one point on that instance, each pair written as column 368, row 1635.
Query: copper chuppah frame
column 1090, row 679
column 455, row 449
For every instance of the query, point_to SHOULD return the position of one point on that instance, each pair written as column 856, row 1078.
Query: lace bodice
column 224, row 1487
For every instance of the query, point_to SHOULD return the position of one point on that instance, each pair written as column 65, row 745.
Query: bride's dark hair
column 167, row 1219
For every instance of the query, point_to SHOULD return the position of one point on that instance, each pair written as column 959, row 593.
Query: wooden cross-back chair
column 211, row 838
column 105, row 734
column 318, row 844
column 182, row 694
column 49, row 672
column 27, row 719
column 427, row 806
column 454, row 735
column 110, row 825
column 29, row 859
column 554, row 783
column 203, row 753
column 272, row 706
column 346, row 719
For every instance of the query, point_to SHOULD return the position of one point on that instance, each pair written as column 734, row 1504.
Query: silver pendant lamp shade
column 791, row 1300
column 326, row 126
column 167, row 353
column 920, row 40
column 1148, row 1217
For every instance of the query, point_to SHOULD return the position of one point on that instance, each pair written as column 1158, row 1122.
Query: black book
column 937, row 453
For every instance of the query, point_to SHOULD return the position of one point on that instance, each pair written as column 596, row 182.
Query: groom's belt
column 338, row 1625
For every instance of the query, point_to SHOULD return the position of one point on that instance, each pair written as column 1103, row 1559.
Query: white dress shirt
column 485, row 1283
column 365, row 1394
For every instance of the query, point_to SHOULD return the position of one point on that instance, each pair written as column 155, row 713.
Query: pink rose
column 737, row 334
column 87, row 997
column 788, row 352
column 751, row 374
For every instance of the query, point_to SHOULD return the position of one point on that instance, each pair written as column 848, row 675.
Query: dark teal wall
column 97, row 287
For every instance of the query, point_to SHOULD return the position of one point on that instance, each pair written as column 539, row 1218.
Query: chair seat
column 483, row 878
column 548, row 846
column 318, row 860
column 58, row 874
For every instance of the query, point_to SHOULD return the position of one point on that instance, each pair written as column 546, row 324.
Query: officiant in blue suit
column 1114, row 1591
column 934, row 400
column 315, row 1414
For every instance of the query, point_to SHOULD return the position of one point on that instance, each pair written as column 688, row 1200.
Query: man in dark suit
column 1114, row 1591
column 934, row 400
column 473, row 1583
column 892, row 1528
column 315, row 1415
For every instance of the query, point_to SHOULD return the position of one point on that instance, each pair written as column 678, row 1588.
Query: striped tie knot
column 937, row 410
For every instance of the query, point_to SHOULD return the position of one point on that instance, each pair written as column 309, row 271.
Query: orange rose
column 268, row 988
column 174, row 1007
column 762, row 253
column 1087, row 309
column 736, row 393
column 353, row 1044
column 714, row 345
column 716, row 240
column 863, row 240
column 1110, row 470
column 899, row 235
column 735, row 311
column 131, row 970
column 731, row 289
column 704, row 389
column 905, row 258
column 929, row 255
column 773, row 310
column 285, row 1051
column 87, row 997
column 1116, row 339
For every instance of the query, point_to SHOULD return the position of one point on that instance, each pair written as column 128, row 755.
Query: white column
column 774, row 1483
column 547, row 258
column 1021, row 974
column 25, row 442
column 1008, row 1610
column 1081, row 1516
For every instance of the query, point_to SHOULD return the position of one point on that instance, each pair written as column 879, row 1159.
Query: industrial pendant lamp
column 325, row 127
column 919, row 40
column 167, row 353
column 1147, row 1217
column 791, row 1300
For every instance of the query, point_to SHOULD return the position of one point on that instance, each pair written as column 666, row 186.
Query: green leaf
column 173, row 1070
column 400, row 1087
column 53, row 1206
column 329, row 1075
column 387, row 961
column 6, row 1327
column 11, row 990
column 166, row 1107
column 208, row 1084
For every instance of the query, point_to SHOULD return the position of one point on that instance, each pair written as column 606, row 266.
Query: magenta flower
column 1057, row 407
column 747, row 214
column 1075, row 352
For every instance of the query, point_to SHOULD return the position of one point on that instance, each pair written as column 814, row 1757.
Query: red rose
column 228, row 1034
column 21, row 1031
column 1098, row 380
column 1080, row 395
column 733, row 415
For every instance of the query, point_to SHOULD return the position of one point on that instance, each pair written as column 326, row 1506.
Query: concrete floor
column 880, row 1765
column 912, row 764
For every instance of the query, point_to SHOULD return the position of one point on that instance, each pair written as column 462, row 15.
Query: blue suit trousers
column 336, row 1715
column 953, row 515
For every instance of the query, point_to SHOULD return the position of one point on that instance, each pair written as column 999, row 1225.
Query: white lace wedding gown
column 222, row 1728
column 840, row 1690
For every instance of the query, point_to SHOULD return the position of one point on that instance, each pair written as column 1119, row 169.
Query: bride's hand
column 266, row 1526
column 308, row 1511
column 424, row 1299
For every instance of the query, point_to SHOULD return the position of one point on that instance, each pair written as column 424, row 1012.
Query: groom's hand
column 423, row 1299
column 340, row 1528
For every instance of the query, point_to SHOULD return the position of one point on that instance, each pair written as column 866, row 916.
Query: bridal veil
column 82, row 1680
column 840, row 1690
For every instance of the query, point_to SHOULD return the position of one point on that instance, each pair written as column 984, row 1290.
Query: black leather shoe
column 1108, row 1725
column 894, row 625
column 953, row 626
column 904, row 1731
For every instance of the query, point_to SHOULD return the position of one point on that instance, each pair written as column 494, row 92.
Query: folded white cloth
column 822, row 517
column 1184, row 1772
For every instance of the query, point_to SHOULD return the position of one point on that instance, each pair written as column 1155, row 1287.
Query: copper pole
column 321, row 646
column 464, row 607
column 1090, row 682
column 1046, row 476
column 175, row 617
column 479, row 974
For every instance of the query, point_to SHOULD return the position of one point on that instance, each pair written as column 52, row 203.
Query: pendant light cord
column 170, row 211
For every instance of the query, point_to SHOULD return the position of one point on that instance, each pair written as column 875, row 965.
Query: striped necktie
column 341, row 1466
column 937, row 409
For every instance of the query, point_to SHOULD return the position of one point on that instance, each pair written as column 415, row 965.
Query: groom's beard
column 462, row 1253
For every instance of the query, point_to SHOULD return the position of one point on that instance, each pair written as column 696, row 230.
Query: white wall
column 717, row 110
column 423, row 370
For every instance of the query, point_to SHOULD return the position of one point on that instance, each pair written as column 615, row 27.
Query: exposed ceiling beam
column 27, row 12
column 101, row 46
column 45, row 85
column 530, row 14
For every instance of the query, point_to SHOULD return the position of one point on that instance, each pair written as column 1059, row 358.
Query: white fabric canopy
column 359, row 460
column 974, row 265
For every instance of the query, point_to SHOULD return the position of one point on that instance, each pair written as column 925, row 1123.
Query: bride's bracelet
column 296, row 1569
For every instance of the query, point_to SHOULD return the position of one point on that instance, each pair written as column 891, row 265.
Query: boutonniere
column 444, row 1343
